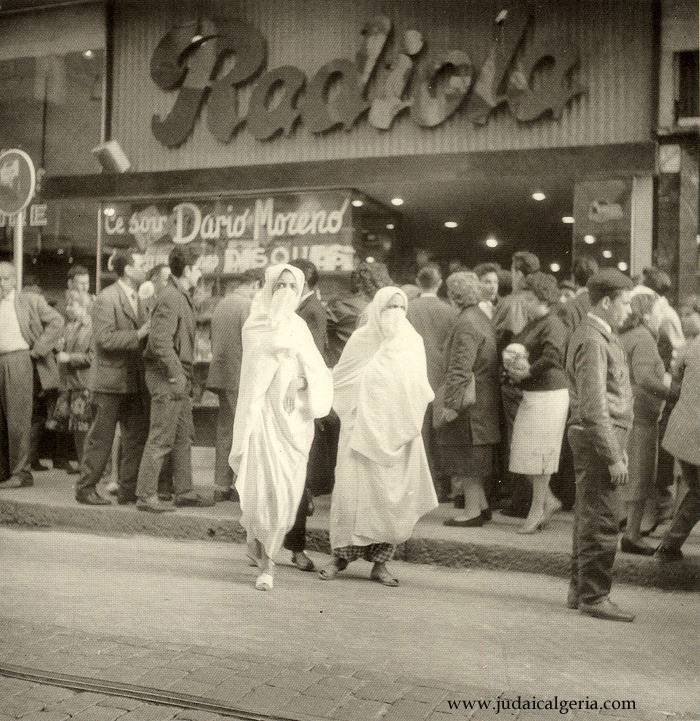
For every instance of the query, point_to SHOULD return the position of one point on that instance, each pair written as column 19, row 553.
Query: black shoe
column 223, row 494
column 302, row 561
column 476, row 522
column 39, row 466
column 639, row 549
column 123, row 500
column 153, row 505
column 164, row 496
column 606, row 610
column 14, row 482
column 666, row 554
column 486, row 514
column 91, row 498
column 459, row 502
column 192, row 500
column 572, row 597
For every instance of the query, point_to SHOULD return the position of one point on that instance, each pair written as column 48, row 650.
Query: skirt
column 538, row 432
column 642, row 448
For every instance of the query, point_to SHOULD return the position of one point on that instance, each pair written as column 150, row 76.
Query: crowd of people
column 496, row 390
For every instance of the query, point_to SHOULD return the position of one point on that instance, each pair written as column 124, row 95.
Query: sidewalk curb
column 640, row 571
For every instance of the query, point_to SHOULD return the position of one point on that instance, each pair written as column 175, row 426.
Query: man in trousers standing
column 225, row 372
column 119, row 327
column 169, row 359
column 599, row 425
column 29, row 330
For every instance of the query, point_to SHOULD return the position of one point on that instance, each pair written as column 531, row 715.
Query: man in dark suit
column 169, row 359
column 434, row 320
column 573, row 312
column 225, row 372
column 119, row 327
column 29, row 330
column 314, row 315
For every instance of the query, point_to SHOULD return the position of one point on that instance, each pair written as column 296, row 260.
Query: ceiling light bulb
column 450, row 224
column 357, row 203
column 109, row 211
column 397, row 201
column 88, row 54
column 590, row 239
column 369, row 259
column 568, row 219
column 607, row 254
column 389, row 226
column 555, row 267
column 622, row 266
column 491, row 242
column 538, row 195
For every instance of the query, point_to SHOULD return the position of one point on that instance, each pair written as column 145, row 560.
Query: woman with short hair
column 540, row 422
column 285, row 384
column 382, row 480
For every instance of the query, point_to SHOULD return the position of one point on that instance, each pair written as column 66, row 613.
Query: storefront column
column 642, row 223
column 688, row 220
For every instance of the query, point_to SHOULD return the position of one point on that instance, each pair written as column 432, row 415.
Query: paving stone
column 332, row 693
column 338, row 669
column 233, row 692
column 269, row 698
column 124, row 674
column 377, row 691
column 49, row 694
column 367, row 674
column 99, row 713
column 212, row 675
column 149, row 712
column 127, row 704
column 443, row 716
column 13, row 686
column 6, row 718
column 190, row 662
column 345, row 682
column 78, row 703
column 360, row 710
column 262, row 671
column 194, row 715
column 425, row 694
column 295, row 681
column 404, row 710
column 193, row 688
column 16, row 706
column 311, row 706
column 161, row 677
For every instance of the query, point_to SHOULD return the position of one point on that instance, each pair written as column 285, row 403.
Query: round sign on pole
column 17, row 181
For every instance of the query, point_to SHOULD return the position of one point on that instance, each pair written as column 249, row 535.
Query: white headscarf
column 382, row 374
column 272, row 332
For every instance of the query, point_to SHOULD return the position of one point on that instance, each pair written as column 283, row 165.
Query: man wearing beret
column 599, row 424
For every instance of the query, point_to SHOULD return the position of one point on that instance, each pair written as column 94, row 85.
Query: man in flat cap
column 599, row 425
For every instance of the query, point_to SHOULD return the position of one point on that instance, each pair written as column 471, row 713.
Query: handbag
column 468, row 399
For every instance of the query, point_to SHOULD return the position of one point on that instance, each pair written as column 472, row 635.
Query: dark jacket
column 343, row 316
column 600, row 393
column 573, row 312
column 471, row 350
column 312, row 312
column 433, row 319
column 510, row 316
column 646, row 374
column 545, row 339
column 75, row 375
column 118, row 363
column 40, row 326
column 226, row 342
column 170, row 347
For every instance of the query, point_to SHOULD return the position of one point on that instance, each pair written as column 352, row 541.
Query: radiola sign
column 189, row 58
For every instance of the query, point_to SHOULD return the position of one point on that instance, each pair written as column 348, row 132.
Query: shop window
column 687, row 79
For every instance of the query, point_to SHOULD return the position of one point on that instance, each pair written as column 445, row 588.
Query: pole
column 19, row 247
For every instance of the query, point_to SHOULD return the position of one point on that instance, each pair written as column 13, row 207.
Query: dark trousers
column 223, row 475
column 129, row 411
column 171, row 432
column 295, row 540
column 664, row 472
column 688, row 512
column 433, row 451
column 516, row 487
column 596, row 519
column 16, row 392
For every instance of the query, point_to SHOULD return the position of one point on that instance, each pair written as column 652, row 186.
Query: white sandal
column 265, row 582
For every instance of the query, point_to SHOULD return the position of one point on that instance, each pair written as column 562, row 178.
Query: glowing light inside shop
column 109, row 211
column 622, row 266
column 397, row 201
column 590, row 239
column 568, row 219
column 607, row 254
column 88, row 54
column 389, row 226
column 555, row 267
column 491, row 242
column 357, row 203
column 370, row 259
column 538, row 195
column 450, row 224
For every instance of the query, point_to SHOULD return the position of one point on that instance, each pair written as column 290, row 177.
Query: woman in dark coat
column 650, row 386
column 471, row 425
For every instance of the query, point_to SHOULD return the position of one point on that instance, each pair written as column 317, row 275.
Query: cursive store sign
column 232, row 235
column 387, row 77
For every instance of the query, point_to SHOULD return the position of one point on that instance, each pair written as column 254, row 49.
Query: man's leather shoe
column 14, row 482
column 572, row 597
column 666, row 554
column 163, row 496
column 639, row 549
column 302, row 561
column 223, row 494
column 607, row 610
column 124, row 500
column 153, row 505
column 92, row 498
column 39, row 466
column 192, row 500
column 458, row 502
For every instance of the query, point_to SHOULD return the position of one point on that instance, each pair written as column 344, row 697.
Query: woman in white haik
column 383, row 484
column 284, row 385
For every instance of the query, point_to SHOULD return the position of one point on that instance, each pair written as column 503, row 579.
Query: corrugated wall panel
column 614, row 40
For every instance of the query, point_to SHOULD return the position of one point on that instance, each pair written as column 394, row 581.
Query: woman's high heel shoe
column 531, row 526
